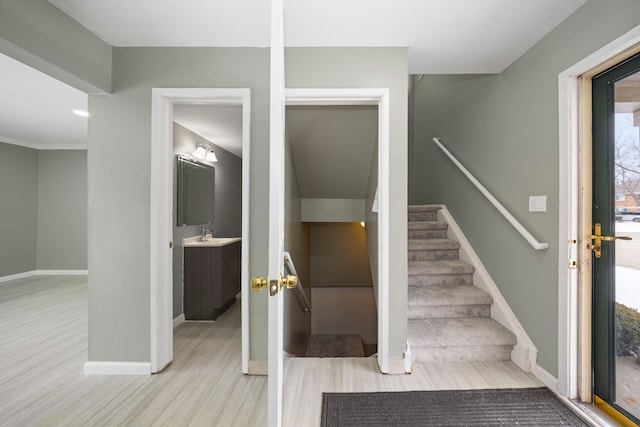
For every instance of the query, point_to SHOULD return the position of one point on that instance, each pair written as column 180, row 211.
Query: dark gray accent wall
column 228, row 203
column 62, row 210
column 504, row 128
column 119, row 188
column 18, row 209
column 37, row 33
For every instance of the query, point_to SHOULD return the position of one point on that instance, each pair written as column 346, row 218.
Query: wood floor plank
column 43, row 328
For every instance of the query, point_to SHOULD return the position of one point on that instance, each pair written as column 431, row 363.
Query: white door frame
column 161, row 232
column 571, row 185
column 380, row 98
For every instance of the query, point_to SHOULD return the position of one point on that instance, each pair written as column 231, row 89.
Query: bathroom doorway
column 165, row 103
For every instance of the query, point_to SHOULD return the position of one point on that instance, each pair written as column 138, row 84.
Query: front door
column 616, row 262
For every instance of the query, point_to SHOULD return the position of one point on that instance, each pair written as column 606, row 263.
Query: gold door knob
column 290, row 281
column 257, row 283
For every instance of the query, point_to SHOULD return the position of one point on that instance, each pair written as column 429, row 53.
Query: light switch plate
column 537, row 203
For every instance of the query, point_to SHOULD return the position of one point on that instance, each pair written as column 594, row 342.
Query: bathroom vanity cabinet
column 211, row 278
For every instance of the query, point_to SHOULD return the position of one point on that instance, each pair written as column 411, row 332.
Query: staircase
column 449, row 318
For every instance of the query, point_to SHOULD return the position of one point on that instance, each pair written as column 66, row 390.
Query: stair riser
column 423, row 216
column 448, row 311
column 441, row 279
column 433, row 255
column 460, row 354
column 427, row 234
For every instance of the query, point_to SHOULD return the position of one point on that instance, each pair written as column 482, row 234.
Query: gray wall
column 297, row 323
column 373, row 68
column 19, row 209
column 227, row 209
column 44, row 210
column 504, row 128
column 62, row 210
column 119, row 188
column 38, row 34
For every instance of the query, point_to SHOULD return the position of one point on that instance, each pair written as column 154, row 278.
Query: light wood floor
column 43, row 331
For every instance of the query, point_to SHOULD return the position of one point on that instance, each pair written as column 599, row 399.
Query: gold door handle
column 290, row 281
column 597, row 239
column 257, row 283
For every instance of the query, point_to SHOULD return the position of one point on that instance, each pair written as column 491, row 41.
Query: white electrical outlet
column 537, row 203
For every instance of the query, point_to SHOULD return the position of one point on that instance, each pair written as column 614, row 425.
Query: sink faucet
column 204, row 232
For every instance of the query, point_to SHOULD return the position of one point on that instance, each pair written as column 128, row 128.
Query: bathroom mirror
column 196, row 192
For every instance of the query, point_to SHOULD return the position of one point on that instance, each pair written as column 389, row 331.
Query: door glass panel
column 626, row 155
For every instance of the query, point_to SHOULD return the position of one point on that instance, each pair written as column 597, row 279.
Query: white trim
column 161, row 286
column 178, row 320
column 569, row 189
column 117, row 368
column 379, row 97
column 547, row 379
column 524, row 353
column 17, row 276
column 43, row 273
column 61, row 272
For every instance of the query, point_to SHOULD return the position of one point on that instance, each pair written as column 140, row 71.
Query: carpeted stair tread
column 424, row 208
column 439, row 267
column 447, row 295
column 441, row 279
column 427, row 225
column 458, row 332
column 432, row 244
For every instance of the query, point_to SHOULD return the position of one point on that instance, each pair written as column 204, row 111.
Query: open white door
column 276, row 216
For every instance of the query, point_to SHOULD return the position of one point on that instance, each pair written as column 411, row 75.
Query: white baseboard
column 61, row 272
column 398, row 365
column 117, row 368
column 17, row 276
column 178, row 320
column 547, row 379
column 525, row 353
column 43, row 273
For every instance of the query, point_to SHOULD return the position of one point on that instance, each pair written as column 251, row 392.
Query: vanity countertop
column 210, row 242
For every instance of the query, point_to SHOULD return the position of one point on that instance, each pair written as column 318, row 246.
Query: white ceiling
column 37, row 111
column 443, row 36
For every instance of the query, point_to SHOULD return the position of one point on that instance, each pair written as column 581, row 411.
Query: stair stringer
column 524, row 353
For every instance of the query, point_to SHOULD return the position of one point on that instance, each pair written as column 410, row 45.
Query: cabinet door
column 199, row 265
column 230, row 272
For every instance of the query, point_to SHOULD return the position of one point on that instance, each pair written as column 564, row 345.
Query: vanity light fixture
column 211, row 156
column 201, row 151
column 81, row 113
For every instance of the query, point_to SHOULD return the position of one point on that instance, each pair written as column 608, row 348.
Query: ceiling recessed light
column 81, row 113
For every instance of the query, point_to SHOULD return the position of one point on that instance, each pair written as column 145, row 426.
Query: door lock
column 259, row 283
column 597, row 239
